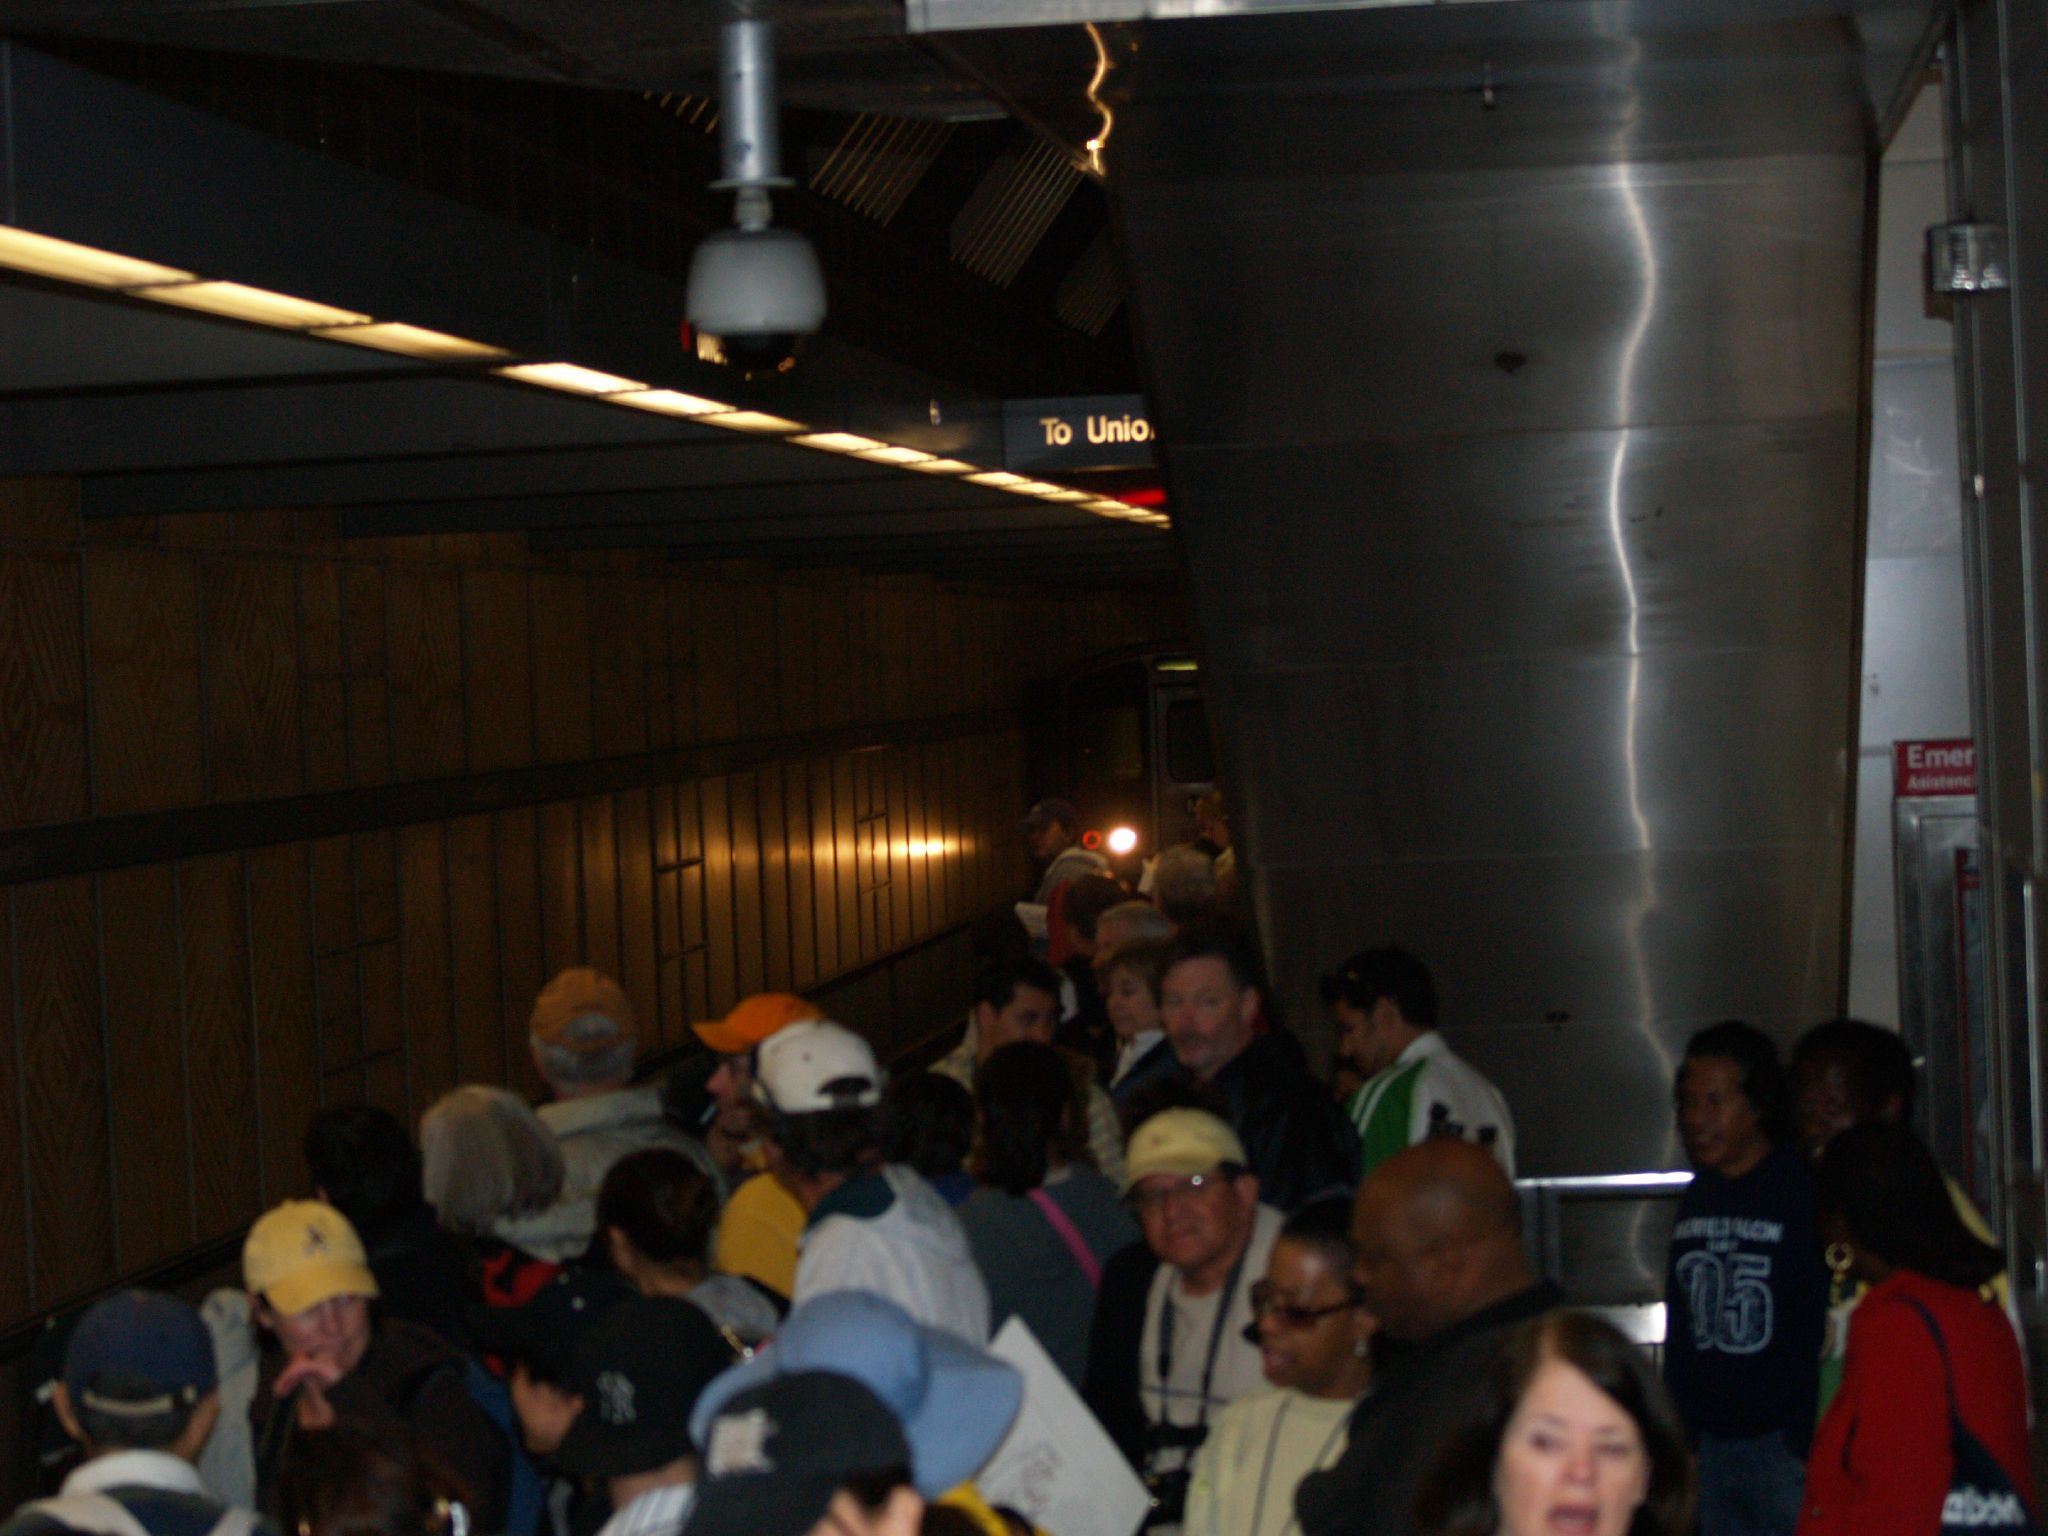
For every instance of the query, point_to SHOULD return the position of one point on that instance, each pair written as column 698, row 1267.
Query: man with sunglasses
column 1164, row 1382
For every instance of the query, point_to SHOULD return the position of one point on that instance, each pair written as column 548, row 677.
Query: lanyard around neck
column 1223, row 1301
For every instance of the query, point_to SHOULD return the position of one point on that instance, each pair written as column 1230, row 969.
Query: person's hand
column 315, row 1371
column 315, row 1412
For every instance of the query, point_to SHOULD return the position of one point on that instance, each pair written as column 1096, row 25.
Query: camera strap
column 1224, row 1300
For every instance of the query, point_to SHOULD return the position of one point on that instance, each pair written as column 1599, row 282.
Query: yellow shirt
column 758, row 1232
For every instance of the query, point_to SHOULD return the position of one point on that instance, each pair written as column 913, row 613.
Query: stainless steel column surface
column 1509, row 363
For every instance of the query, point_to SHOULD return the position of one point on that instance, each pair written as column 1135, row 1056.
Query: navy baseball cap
column 545, row 1331
column 776, row 1454
column 639, row 1371
column 139, row 1353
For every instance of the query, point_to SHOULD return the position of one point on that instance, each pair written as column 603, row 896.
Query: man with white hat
column 870, row 1225
column 1158, row 1387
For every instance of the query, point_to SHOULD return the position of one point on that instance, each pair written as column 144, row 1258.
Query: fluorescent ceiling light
column 1113, row 508
column 573, row 377
column 240, row 302
column 1033, row 488
column 410, row 341
column 1001, row 479
column 46, row 256
column 668, row 402
column 836, row 442
column 752, row 421
column 940, row 466
column 1061, row 493
column 891, row 454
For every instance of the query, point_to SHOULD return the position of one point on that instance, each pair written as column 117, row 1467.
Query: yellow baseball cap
column 754, row 1019
column 302, row 1253
column 1181, row 1142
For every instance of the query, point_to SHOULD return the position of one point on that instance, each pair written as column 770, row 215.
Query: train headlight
column 1122, row 840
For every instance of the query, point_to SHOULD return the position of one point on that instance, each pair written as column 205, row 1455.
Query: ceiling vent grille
column 878, row 163
column 1090, row 294
column 1009, row 213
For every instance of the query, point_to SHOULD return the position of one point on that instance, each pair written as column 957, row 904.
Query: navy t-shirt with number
column 1746, row 1292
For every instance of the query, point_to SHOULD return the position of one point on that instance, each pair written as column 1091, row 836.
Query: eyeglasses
column 1156, row 1198
column 1292, row 1317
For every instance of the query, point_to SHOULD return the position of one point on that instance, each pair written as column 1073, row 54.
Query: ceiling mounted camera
column 754, row 290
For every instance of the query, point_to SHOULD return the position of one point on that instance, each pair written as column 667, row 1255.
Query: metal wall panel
column 1509, row 367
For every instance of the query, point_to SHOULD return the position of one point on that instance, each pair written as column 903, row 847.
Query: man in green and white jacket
column 1384, row 1006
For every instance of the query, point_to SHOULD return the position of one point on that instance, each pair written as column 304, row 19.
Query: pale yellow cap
column 302, row 1253
column 1180, row 1142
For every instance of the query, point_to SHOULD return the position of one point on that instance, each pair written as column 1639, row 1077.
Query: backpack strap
column 1948, row 1375
column 1069, row 1234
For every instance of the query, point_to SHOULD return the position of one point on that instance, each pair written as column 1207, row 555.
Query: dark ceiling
column 967, row 262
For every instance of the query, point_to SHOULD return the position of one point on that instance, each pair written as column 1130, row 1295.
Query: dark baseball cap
column 139, row 1353
column 775, row 1455
column 1046, row 812
column 638, row 1370
column 546, row 1329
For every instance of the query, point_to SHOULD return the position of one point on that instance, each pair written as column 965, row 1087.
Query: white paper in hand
column 1058, row 1467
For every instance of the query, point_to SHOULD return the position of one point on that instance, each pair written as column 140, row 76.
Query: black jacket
column 1398, row 1429
column 1109, row 1385
column 1295, row 1136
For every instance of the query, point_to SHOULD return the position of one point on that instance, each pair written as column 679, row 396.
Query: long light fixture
column 23, row 250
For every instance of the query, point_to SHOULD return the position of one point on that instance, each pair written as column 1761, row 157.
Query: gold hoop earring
column 1839, row 1257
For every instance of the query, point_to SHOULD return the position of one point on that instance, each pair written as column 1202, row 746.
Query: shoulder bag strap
column 1070, row 1234
column 1948, row 1376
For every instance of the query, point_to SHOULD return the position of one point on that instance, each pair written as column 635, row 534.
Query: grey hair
column 1138, row 922
column 1184, row 882
column 486, row 1156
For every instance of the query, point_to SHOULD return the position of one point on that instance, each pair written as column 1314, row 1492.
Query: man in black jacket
column 1211, row 999
column 1440, row 1264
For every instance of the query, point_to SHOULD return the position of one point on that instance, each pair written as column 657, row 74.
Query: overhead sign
column 1085, row 432
column 1923, row 768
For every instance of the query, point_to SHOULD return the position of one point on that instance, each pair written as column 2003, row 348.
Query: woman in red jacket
column 1882, row 1462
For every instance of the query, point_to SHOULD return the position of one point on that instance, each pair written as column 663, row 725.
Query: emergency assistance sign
column 1922, row 768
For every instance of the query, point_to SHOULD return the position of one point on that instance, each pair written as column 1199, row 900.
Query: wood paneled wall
column 166, row 1028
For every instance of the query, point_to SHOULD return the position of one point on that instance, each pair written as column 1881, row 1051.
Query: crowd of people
column 756, row 1297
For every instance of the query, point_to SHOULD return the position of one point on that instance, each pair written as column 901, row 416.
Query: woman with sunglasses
column 1314, row 1337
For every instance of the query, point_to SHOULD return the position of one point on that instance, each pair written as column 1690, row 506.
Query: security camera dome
column 750, row 282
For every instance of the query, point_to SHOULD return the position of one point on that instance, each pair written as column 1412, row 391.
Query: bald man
column 1440, row 1263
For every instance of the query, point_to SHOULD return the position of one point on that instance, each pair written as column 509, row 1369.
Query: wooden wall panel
column 715, row 661
column 832, row 626
column 824, row 867
column 796, row 651
column 895, row 846
column 323, row 687
column 696, row 896
column 428, row 1016
column 64, row 1076
column 142, row 615
column 561, row 888
column 561, row 668
column 681, row 626
column 756, row 666
column 42, row 689
column 423, row 624
column 146, row 1064
column 363, row 655
column 631, row 811
column 772, row 830
column 497, row 664
column 281, row 989
column 249, row 620
column 618, row 666
column 220, row 1043
column 600, row 873
column 750, row 943
column 854, row 936
column 801, row 877
column 520, row 947
column 17, row 1295
column 721, row 960
column 475, row 985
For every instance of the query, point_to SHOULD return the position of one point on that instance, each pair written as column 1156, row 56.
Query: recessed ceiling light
column 752, row 421
column 46, row 256
column 836, row 442
column 572, row 377
column 410, row 341
column 668, row 402
column 238, row 301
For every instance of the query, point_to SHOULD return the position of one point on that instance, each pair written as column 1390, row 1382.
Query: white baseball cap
column 816, row 1065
